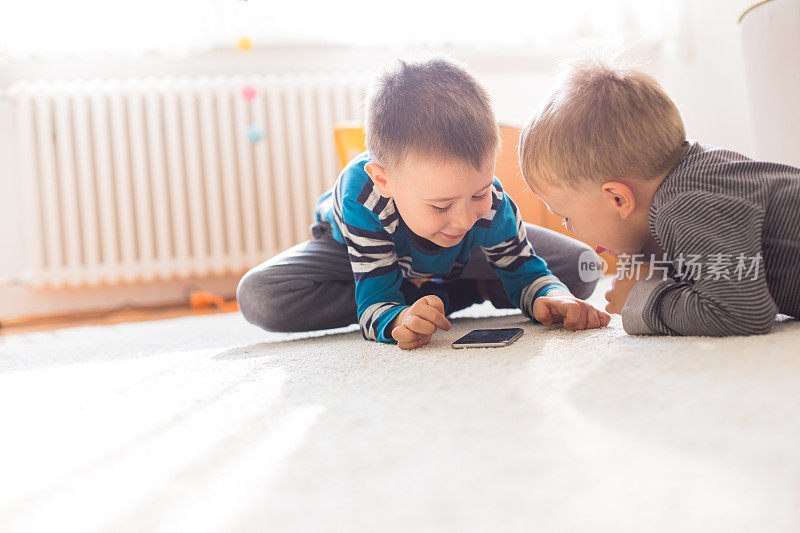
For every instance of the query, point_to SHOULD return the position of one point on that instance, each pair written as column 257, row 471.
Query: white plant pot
column 771, row 46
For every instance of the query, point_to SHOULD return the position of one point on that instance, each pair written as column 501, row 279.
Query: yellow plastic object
column 244, row 44
column 349, row 143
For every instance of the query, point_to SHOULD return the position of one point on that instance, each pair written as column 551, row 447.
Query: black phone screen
column 479, row 336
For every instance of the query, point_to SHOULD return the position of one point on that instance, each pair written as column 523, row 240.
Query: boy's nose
column 463, row 220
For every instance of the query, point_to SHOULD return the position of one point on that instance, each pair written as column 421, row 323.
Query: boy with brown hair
column 421, row 203
column 607, row 151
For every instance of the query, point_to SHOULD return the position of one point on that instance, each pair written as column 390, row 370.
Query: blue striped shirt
column 383, row 251
column 734, row 216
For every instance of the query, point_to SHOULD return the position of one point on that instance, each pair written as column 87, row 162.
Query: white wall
column 703, row 72
column 706, row 78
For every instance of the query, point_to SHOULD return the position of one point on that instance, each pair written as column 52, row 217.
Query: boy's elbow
column 719, row 321
column 746, row 322
column 761, row 325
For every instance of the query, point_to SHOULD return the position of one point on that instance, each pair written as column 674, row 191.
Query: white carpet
column 209, row 424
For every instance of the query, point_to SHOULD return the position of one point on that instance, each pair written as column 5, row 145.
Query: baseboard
column 21, row 301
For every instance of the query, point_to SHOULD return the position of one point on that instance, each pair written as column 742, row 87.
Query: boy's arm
column 729, row 293
column 375, row 269
column 524, row 275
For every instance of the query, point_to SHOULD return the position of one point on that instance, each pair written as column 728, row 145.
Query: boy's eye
column 440, row 209
column 482, row 196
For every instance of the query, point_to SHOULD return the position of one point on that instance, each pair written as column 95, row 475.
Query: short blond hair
column 604, row 120
column 434, row 109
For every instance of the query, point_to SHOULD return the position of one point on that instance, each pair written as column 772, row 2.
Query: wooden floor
column 15, row 327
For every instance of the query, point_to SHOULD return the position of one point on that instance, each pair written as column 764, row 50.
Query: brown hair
column 604, row 120
column 433, row 109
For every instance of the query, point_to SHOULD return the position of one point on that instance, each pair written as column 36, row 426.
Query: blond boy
column 709, row 240
column 421, row 203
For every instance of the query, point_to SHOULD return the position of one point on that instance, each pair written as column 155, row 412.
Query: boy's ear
column 620, row 196
column 379, row 179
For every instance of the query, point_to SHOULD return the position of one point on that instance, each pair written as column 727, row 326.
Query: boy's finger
column 433, row 315
column 409, row 345
column 605, row 318
column 583, row 320
column 542, row 312
column 420, row 325
column 404, row 335
column 421, row 340
column 574, row 315
column 433, row 301
column 592, row 320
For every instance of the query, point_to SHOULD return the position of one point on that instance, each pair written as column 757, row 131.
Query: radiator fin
column 150, row 179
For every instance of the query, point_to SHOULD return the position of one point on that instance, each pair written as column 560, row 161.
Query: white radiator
column 153, row 179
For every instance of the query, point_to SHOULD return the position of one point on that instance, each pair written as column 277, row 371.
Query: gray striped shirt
column 724, row 211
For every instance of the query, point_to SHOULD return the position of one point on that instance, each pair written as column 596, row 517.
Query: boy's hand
column 574, row 313
column 415, row 325
column 622, row 286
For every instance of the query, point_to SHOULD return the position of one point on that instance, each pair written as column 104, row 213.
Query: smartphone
column 488, row 338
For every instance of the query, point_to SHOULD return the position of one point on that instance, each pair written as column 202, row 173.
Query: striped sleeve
column 714, row 299
column 524, row 275
column 366, row 223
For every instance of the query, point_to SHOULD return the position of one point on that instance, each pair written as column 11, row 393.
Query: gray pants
column 310, row 286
